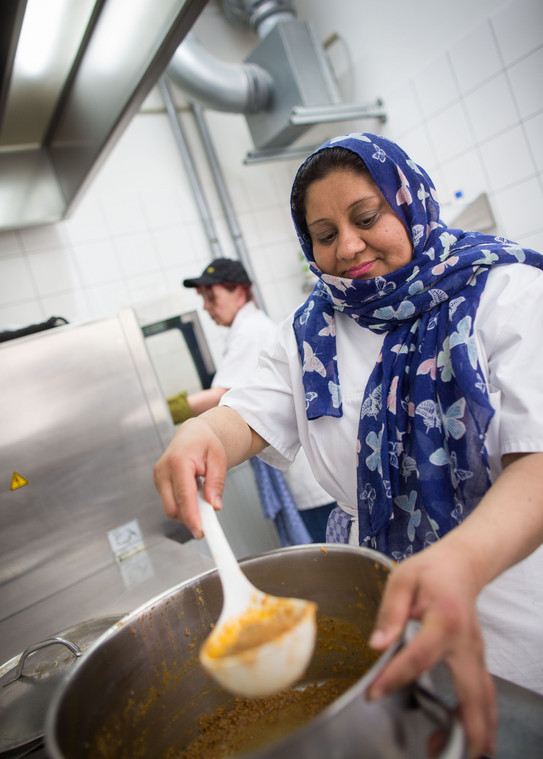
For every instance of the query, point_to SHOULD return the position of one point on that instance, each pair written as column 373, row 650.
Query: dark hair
column 318, row 166
column 231, row 286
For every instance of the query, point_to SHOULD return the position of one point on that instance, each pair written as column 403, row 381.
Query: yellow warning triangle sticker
column 17, row 481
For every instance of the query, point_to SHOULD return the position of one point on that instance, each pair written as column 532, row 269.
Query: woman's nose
column 350, row 243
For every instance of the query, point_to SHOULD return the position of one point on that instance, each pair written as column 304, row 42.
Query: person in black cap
column 225, row 288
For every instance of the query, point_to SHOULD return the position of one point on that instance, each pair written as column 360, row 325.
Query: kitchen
column 462, row 103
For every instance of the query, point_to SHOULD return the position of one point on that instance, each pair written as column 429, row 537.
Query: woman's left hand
column 436, row 587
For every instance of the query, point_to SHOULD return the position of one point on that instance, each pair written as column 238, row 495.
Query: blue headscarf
column 422, row 460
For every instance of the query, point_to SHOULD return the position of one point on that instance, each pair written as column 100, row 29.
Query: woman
column 405, row 381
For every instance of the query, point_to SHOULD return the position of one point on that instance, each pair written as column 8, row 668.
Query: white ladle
column 260, row 643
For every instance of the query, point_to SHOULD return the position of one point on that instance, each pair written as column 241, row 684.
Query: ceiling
column 73, row 73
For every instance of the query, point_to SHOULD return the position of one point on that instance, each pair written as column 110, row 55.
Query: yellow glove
column 179, row 408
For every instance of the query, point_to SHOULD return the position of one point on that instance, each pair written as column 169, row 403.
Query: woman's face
column 222, row 304
column 355, row 233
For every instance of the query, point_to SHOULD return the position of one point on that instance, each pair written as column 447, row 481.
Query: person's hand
column 194, row 452
column 437, row 588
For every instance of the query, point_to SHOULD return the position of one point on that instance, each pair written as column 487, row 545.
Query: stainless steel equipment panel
column 82, row 421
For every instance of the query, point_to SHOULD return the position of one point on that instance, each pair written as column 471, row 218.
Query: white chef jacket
column 251, row 331
column 508, row 326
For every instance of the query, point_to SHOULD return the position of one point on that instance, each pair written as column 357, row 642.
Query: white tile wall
column 519, row 208
column 16, row 282
column 88, row 222
column 37, row 238
column 10, row 243
column 525, row 77
column 475, row 58
column 534, row 129
column 419, row 146
column 517, row 27
column 469, row 109
column 436, row 86
column 163, row 207
column 124, row 214
column 136, row 253
column 21, row 313
column 54, row 270
column 403, row 110
column 108, row 298
column 507, row 159
column 97, row 261
column 491, row 108
column 450, row 131
column 73, row 305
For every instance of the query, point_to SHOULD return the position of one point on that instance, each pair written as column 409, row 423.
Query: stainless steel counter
column 114, row 590
column 520, row 727
column 110, row 592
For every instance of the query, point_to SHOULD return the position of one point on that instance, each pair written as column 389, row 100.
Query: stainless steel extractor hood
column 72, row 75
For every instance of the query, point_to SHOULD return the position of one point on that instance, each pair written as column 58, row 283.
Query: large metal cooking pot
column 140, row 691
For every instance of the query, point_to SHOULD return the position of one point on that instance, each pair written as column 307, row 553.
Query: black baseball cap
column 218, row 271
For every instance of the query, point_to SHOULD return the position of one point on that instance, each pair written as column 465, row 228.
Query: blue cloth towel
column 278, row 504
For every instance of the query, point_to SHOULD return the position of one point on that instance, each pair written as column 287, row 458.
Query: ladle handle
column 227, row 564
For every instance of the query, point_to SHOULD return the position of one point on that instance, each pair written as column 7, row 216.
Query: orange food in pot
column 254, row 628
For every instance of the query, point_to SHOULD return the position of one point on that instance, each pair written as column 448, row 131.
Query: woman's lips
column 360, row 270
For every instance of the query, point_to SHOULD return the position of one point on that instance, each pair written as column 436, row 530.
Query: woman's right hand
column 206, row 446
column 195, row 451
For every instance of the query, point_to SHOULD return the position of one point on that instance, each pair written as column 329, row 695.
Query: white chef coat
column 252, row 331
column 508, row 327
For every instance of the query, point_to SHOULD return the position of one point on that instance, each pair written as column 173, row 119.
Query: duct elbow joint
column 259, row 88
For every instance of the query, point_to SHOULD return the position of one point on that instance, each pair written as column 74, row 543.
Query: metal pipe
column 190, row 168
column 224, row 197
column 260, row 15
column 231, row 87
column 263, row 15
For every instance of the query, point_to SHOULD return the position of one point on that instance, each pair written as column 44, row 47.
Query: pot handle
column 456, row 746
column 76, row 651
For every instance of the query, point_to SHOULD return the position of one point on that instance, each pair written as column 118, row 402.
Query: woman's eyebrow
column 349, row 207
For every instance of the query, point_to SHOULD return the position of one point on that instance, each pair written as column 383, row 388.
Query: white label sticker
column 126, row 540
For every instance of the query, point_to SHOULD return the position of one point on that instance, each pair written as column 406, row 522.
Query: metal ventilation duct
column 283, row 87
column 230, row 87
column 62, row 109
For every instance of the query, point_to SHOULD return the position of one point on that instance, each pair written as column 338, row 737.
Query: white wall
column 461, row 83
